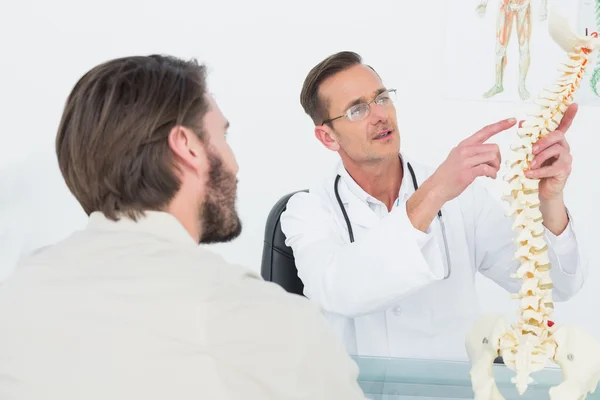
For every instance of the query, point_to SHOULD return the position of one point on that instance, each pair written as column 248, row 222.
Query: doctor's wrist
column 423, row 205
column 554, row 214
column 434, row 197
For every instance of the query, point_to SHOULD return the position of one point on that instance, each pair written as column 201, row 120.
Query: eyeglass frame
column 368, row 104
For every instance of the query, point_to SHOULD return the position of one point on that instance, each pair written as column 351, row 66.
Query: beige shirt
column 139, row 311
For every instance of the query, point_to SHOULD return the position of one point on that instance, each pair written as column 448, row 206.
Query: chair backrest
column 278, row 264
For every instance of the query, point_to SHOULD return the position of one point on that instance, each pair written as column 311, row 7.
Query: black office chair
column 278, row 263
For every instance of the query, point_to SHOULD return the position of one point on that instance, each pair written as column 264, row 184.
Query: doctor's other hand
column 552, row 159
column 470, row 159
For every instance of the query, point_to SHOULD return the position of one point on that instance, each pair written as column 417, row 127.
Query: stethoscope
column 416, row 186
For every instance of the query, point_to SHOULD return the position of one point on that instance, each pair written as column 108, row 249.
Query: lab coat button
column 397, row 311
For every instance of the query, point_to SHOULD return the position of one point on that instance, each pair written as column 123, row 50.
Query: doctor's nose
column 377, row 113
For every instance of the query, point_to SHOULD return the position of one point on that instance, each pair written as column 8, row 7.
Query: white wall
column 259, row 52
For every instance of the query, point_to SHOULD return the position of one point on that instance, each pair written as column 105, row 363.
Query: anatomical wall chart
column 499, row 50
column 589, row 22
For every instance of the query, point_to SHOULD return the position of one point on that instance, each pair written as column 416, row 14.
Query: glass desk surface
column 397, row 378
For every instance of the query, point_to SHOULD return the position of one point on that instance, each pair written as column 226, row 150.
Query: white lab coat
column 385, row 294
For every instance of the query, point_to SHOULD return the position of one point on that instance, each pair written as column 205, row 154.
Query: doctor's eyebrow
column 363, row 100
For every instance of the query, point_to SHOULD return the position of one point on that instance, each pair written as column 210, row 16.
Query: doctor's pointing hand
column 390, row 248
column 470, row 159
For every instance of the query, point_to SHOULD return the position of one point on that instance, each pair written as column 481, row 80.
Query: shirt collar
column 406, row 187
column 157, row 223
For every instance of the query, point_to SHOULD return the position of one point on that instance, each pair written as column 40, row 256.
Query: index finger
column 568, row 117
column 488, row 131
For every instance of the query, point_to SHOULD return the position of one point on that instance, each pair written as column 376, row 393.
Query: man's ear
column 187, row 148
column 326, row 136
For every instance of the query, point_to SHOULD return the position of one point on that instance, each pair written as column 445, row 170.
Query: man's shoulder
column 147, row 257
column 210, row 268
column 236, row 284
column 265, row 309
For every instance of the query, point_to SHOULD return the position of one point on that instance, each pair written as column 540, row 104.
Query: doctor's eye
column 382, row 100
column 389, row 96
column 357, row 111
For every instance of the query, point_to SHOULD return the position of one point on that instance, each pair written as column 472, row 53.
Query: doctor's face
column 219, row 218
column 358, row 135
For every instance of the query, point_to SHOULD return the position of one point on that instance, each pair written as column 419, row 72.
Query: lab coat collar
column 356, row 200
column 157, row 223
column 406, row 187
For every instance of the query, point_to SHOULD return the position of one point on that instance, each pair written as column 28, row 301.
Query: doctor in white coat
column 389, row 248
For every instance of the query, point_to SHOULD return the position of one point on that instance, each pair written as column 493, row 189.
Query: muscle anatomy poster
column 500, row 50
column 589, row 22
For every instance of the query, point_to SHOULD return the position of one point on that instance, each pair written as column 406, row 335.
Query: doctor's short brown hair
column 313, row 104
column 112, row 141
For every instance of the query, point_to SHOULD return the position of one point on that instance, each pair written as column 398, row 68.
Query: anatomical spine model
column 527, row 345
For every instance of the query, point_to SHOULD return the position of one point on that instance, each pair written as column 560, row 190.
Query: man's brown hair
column 112, row 142
column 311, row 101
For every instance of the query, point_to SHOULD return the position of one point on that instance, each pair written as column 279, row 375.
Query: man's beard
column 220, row 222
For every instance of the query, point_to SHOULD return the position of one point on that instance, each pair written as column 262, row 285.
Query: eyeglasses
column 360, row 111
